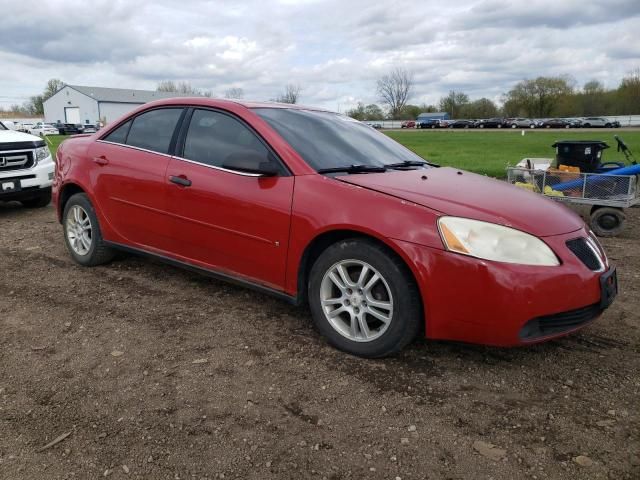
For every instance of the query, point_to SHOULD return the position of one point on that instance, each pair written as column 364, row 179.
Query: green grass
column 54, row 141
column 490, row 152
column 485, row 152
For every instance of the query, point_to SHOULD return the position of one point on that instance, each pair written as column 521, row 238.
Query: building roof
column 125, row 95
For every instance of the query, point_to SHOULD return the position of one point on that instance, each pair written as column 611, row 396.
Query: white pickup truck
column 26, row 168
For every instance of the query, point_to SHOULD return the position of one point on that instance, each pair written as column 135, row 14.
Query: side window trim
column 130, row 120
column 179, row 152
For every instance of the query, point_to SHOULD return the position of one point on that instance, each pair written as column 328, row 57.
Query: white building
column 78, row 104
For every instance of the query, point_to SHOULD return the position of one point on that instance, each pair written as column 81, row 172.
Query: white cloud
column 334, row 49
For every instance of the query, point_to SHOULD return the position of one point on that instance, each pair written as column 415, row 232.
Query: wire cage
column 589, row 188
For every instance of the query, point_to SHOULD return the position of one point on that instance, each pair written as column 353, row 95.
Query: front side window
column 154, row 129
column 215, row 138
column 119, row 135
column 329, row 140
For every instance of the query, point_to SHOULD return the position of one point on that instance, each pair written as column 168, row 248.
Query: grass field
column 486, row 152
column 490, row 152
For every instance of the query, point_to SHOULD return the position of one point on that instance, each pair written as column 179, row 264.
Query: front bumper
column 31, row 180
column 479, row 301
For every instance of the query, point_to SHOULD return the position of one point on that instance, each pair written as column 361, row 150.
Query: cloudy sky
column 334, row 49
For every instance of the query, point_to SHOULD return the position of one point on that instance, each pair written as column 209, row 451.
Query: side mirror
column 252, row 162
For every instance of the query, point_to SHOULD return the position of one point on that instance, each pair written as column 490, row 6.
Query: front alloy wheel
column 356, row 300
column 364, row 299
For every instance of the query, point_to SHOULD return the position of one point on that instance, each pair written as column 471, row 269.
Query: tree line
column 540, row 97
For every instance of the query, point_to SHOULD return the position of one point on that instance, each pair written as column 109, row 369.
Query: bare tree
column 53, row 85
column 235, row 92
column 291, row 94
column 395, row 89
column 180, row 87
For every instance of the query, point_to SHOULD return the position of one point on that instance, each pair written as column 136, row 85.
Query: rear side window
column 119, row 135
column 153, row 130
column 214, row 137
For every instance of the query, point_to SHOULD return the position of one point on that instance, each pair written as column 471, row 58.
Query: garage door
column 72, row 114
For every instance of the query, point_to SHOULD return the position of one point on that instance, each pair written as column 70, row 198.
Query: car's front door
column 129, row 170
column 225, row 219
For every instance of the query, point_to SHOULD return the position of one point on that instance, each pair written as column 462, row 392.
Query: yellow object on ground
column 526, row 186
column 551, row 192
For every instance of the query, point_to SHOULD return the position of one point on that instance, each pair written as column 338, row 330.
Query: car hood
column 11, row 136
column 459, row 193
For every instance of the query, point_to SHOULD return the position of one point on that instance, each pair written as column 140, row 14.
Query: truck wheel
column 42, row 200
column 364, row 300
column 82, row 233
column 607, row 221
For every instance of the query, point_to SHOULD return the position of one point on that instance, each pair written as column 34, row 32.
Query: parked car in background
column 26, row 127
column 9, row 125
column 428, row 123
column 90, row 128
column 462, row 124
column 491, row 123
column 600, row 122
column 408, row 124
column 556, row 123
column 311, row 206
column 69, row 128
column 520, row 123
column 375, row 125
column 41, row 129
column 26, row 168
column 574, row 122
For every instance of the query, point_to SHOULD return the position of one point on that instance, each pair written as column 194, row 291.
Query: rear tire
column 82, row 234
column 372, row 314
column 607, row 221
column 42, row 200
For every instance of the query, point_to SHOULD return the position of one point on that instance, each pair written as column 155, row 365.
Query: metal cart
column 599, row 197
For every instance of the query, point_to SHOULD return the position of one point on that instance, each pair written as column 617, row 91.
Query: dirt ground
column 154, row 372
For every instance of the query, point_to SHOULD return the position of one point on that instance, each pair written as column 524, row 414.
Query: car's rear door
column 231, row 221
column 130, row 164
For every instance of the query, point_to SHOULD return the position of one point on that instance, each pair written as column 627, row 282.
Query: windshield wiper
column 411, row 163
column 360, row 168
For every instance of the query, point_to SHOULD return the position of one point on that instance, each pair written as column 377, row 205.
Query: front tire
column 363, row 299
column 82, row 234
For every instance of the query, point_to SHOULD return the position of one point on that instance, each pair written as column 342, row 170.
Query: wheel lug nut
column 357, row 310
column 347, row 302
column 349, row 291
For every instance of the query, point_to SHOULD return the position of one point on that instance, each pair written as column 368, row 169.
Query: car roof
column 222, row 103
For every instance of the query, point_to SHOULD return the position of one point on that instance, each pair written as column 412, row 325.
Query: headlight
column 494, row 242
column 42, row 153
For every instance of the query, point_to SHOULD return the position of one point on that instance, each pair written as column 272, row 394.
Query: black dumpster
column 584, row 154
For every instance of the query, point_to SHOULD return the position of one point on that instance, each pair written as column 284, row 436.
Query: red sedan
column 312, row 206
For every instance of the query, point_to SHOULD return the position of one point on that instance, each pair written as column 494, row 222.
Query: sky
column 335, row 50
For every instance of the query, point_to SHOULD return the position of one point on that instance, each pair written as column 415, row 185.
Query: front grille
column 585, row 252
column 16, row 160
column 558, row 323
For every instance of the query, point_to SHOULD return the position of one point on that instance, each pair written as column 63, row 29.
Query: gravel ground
column 154, row 372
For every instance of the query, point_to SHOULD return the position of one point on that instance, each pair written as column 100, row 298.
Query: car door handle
column 181, row 180
column 101, row 160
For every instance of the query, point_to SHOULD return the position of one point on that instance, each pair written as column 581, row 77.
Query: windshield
column 330, row 140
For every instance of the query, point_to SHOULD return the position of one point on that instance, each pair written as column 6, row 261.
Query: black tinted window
column 327, row 140
column 214, row 138
column 119, row 135
column 153, row 130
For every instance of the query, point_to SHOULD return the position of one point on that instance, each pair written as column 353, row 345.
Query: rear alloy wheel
column 363, row 300
column 82, row 233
